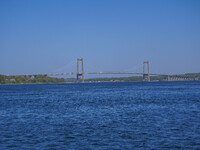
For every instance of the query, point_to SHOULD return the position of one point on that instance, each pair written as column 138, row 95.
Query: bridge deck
column 73, row 73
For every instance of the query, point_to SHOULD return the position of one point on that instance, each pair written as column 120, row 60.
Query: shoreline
column 98, row 82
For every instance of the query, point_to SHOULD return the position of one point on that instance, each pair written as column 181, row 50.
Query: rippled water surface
column 154, row 115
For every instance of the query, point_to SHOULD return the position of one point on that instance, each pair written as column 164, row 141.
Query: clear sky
column 46, row 36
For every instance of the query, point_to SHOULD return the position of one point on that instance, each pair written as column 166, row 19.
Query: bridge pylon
column 146, row 76
column 80, row 73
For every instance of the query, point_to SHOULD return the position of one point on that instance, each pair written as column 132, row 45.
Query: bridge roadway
column 73, row 73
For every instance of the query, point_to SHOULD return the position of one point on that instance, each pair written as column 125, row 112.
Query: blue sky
column 46, row 36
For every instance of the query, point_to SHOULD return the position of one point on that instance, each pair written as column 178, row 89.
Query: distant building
column 13, row 80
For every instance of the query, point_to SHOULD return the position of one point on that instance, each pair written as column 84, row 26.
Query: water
column 155, row 115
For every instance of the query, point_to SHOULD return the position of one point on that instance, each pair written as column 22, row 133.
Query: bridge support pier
column 168, row 78
column 80, row 73
column 146, row 76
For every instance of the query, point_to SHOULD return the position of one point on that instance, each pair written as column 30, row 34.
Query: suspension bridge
column 80, row 73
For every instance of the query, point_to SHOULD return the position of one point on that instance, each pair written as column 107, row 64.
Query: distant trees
column 193, row 75
column 28, row 80
column 189, row 76
column 2, row 79
column 45, row 79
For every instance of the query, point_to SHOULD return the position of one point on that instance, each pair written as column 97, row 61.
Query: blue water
column 152, row 115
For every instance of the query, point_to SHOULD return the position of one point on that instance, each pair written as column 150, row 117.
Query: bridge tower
column 146, row 76
column 80, row 73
